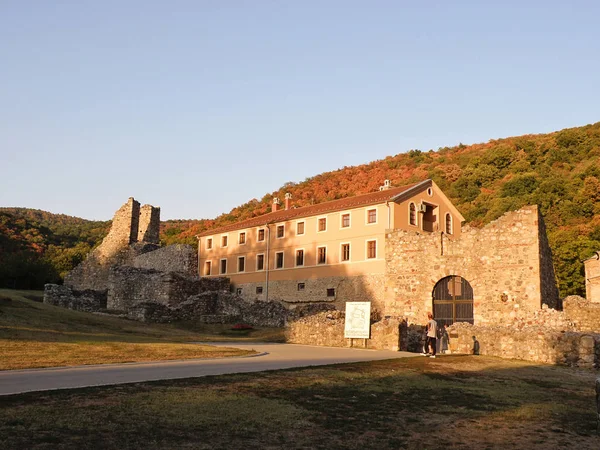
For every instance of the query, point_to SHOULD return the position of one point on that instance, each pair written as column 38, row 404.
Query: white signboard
column 358, row 320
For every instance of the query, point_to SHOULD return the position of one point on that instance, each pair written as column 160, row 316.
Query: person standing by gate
column 431, row 334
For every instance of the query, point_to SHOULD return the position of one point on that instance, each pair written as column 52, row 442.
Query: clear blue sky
column 199, row 106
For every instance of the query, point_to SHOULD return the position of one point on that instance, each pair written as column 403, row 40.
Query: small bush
column 242, row 327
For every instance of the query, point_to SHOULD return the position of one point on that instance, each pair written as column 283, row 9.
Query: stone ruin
column 134, row 232
column 130, row 274
column 518, row 313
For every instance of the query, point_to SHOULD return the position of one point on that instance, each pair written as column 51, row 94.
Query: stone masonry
column 129, row 267
column 87, row 300
column 130, row 285
column 213, row 307
column 535, row 343
column 172, row 258
column 327, row 328
column 134, row 231
column 508, row 264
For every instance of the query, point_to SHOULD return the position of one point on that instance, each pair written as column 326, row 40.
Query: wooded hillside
column 558, row 171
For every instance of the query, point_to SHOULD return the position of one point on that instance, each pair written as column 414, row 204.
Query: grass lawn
column 36, row 335
column 453, row 402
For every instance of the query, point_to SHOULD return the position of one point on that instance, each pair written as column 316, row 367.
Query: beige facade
column 333, row 251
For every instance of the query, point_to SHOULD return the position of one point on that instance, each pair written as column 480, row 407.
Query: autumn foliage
column 558, row 171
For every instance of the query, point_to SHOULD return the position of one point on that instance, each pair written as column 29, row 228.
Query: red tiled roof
column 312, row 210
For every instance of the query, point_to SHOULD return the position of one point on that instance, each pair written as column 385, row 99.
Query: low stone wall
column 534, row 343
column 128, row 286
column 172, row 258
column 65, row 297
column 212, row 307
column 327, row 328
column 584, row 314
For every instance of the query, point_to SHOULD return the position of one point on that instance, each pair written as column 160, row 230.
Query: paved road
column 272, row 357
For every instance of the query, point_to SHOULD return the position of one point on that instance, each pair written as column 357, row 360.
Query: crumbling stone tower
column 134, row 230
column 148, row 224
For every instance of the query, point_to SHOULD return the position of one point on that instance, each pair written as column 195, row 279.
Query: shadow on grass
column 452, row 402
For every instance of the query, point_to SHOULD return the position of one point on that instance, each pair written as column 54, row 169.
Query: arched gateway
column 452, row 301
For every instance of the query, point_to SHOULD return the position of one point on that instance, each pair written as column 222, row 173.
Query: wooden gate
column 452, row 301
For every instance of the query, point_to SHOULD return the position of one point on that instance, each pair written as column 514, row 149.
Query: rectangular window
column 242, row 239
column 345, row 252
column 280, row 231
column 345, row 220
column 300, row 228
column 259, row 290
column 322, row 224
column 321, row 255
column 209, row 243
column 223, row 266
column 372, row 216
column 299, row 257
column 241, row 263
column 301, row 286
column 223, row 241
column 260, row 262
column 279, row 260
column 261, row 235
column 207, row 267
column 371, row 249
column 331, row 292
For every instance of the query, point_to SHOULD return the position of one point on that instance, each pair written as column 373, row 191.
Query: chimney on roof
column 288, row 200
column 275, row 204
column 386, row 185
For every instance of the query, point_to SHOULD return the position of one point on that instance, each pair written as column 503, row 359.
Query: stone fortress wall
column 129, row 273
column 517, row 311
column 172, row 258
column 505, row 262
column 134, row 231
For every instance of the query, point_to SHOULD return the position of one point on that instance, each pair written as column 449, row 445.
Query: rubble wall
column 128, row 286
column 172, row 258
column 327, row 328
column 504, row 262
column 65, row 297
column 582, row 313
column 213, row 307
column 534, row 343
column 119, row 247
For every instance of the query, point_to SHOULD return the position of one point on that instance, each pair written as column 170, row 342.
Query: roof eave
column 411, row 191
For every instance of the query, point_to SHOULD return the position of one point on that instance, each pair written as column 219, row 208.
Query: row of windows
column 301, row 287
column 321, row 258
column 371, row 218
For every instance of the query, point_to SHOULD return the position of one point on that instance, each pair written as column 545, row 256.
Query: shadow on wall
column 323, row 323
column 475, row 346
column 303, row 279
column 536, row 344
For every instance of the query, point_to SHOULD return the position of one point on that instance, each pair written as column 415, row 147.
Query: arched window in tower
column 412, row 214
column 448, row 223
